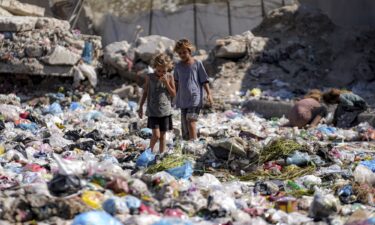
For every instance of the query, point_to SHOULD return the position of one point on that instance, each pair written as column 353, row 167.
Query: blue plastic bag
column 327, row 130
column 87, row 52
column 132, row 105
column 145, row 159
column 115, row 205
column 172, row 221
column 75, row 106
column 182, row 172
column 93, row 115
column 132, row 202
column 54, row 109
column 369, row 164
column 28, row 126
column 95, row 218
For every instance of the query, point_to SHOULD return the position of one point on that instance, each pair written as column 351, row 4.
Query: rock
column 258, row 44
column 21, row 9
column 233, row 47
column 126, row 91
column 4, row 12
column 17, row 23
column 148, row 46
column 114, row 55
column 51, row 23
column 34, row 51
column 61, row 56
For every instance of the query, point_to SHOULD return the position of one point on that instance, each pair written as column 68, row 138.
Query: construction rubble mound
column 294, row 49
column 47, row 46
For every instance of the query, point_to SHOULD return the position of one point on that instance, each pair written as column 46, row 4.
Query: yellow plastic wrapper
column 2, row 149
column 256, row 92
column 93, row 199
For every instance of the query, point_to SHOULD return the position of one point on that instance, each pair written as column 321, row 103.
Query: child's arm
column 143, row 99
column 208, row 92
column 169, row 83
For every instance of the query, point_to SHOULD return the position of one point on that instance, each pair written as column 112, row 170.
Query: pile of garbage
column 74, row 158
column 37, row 45
column 295, row 49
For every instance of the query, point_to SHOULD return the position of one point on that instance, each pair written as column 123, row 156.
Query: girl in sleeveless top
column 158, row 91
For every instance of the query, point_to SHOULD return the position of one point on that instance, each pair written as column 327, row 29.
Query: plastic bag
column 171, row 221
column 364, row 175
column 10, row 112
column 93, row 199
column 75, row 106
column 90, row 73
column 182, row 172
column 86, row 100
column 298, row 158
column 369, row 164
column 115, row 205
column 64, row 185
column 145, row 159
column 132, row 202
column 87, row 52
column 323, row 206
column 54, row 109
column 95, row 218
column 28, row 126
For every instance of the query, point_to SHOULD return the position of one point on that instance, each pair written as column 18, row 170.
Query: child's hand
column 210, row 100
column 140, row 113
column 164, row 79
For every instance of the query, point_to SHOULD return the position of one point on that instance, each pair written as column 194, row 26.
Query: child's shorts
column 162, row 123
column 190, row 114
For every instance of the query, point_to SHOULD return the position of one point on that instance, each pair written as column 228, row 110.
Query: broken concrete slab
column 149, row 46
column 61, row 56
column 114, row 55
column 4, row 12
column 233, row 47
column 51, row 23
column 21, row 9
column 17, row 23
column 36, row 68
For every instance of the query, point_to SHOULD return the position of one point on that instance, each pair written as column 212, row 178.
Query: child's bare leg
column 192, row 126
column 162, row 141
column 155, row 137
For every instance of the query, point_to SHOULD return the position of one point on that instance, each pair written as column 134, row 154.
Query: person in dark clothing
column 349, row 106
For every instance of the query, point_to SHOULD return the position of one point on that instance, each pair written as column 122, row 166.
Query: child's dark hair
column 332, row 96
column 184, row 44
column 162, row 60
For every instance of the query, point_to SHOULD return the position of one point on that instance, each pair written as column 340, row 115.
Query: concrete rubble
column 21, row 9
column 43, row 46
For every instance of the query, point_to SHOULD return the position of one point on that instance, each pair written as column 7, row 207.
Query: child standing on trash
column 191, row 78
column 159, row 90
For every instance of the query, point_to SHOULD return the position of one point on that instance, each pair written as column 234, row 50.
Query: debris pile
column 294, row 49
column 71, row 157
column 37, row 45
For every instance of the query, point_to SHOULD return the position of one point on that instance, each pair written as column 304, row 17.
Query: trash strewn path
column 81, row 159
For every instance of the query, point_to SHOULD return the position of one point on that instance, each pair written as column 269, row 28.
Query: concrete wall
column 347, row 13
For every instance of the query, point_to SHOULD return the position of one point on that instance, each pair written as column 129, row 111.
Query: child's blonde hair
column 163, row 60
column 184, row 44
column 314, row 94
